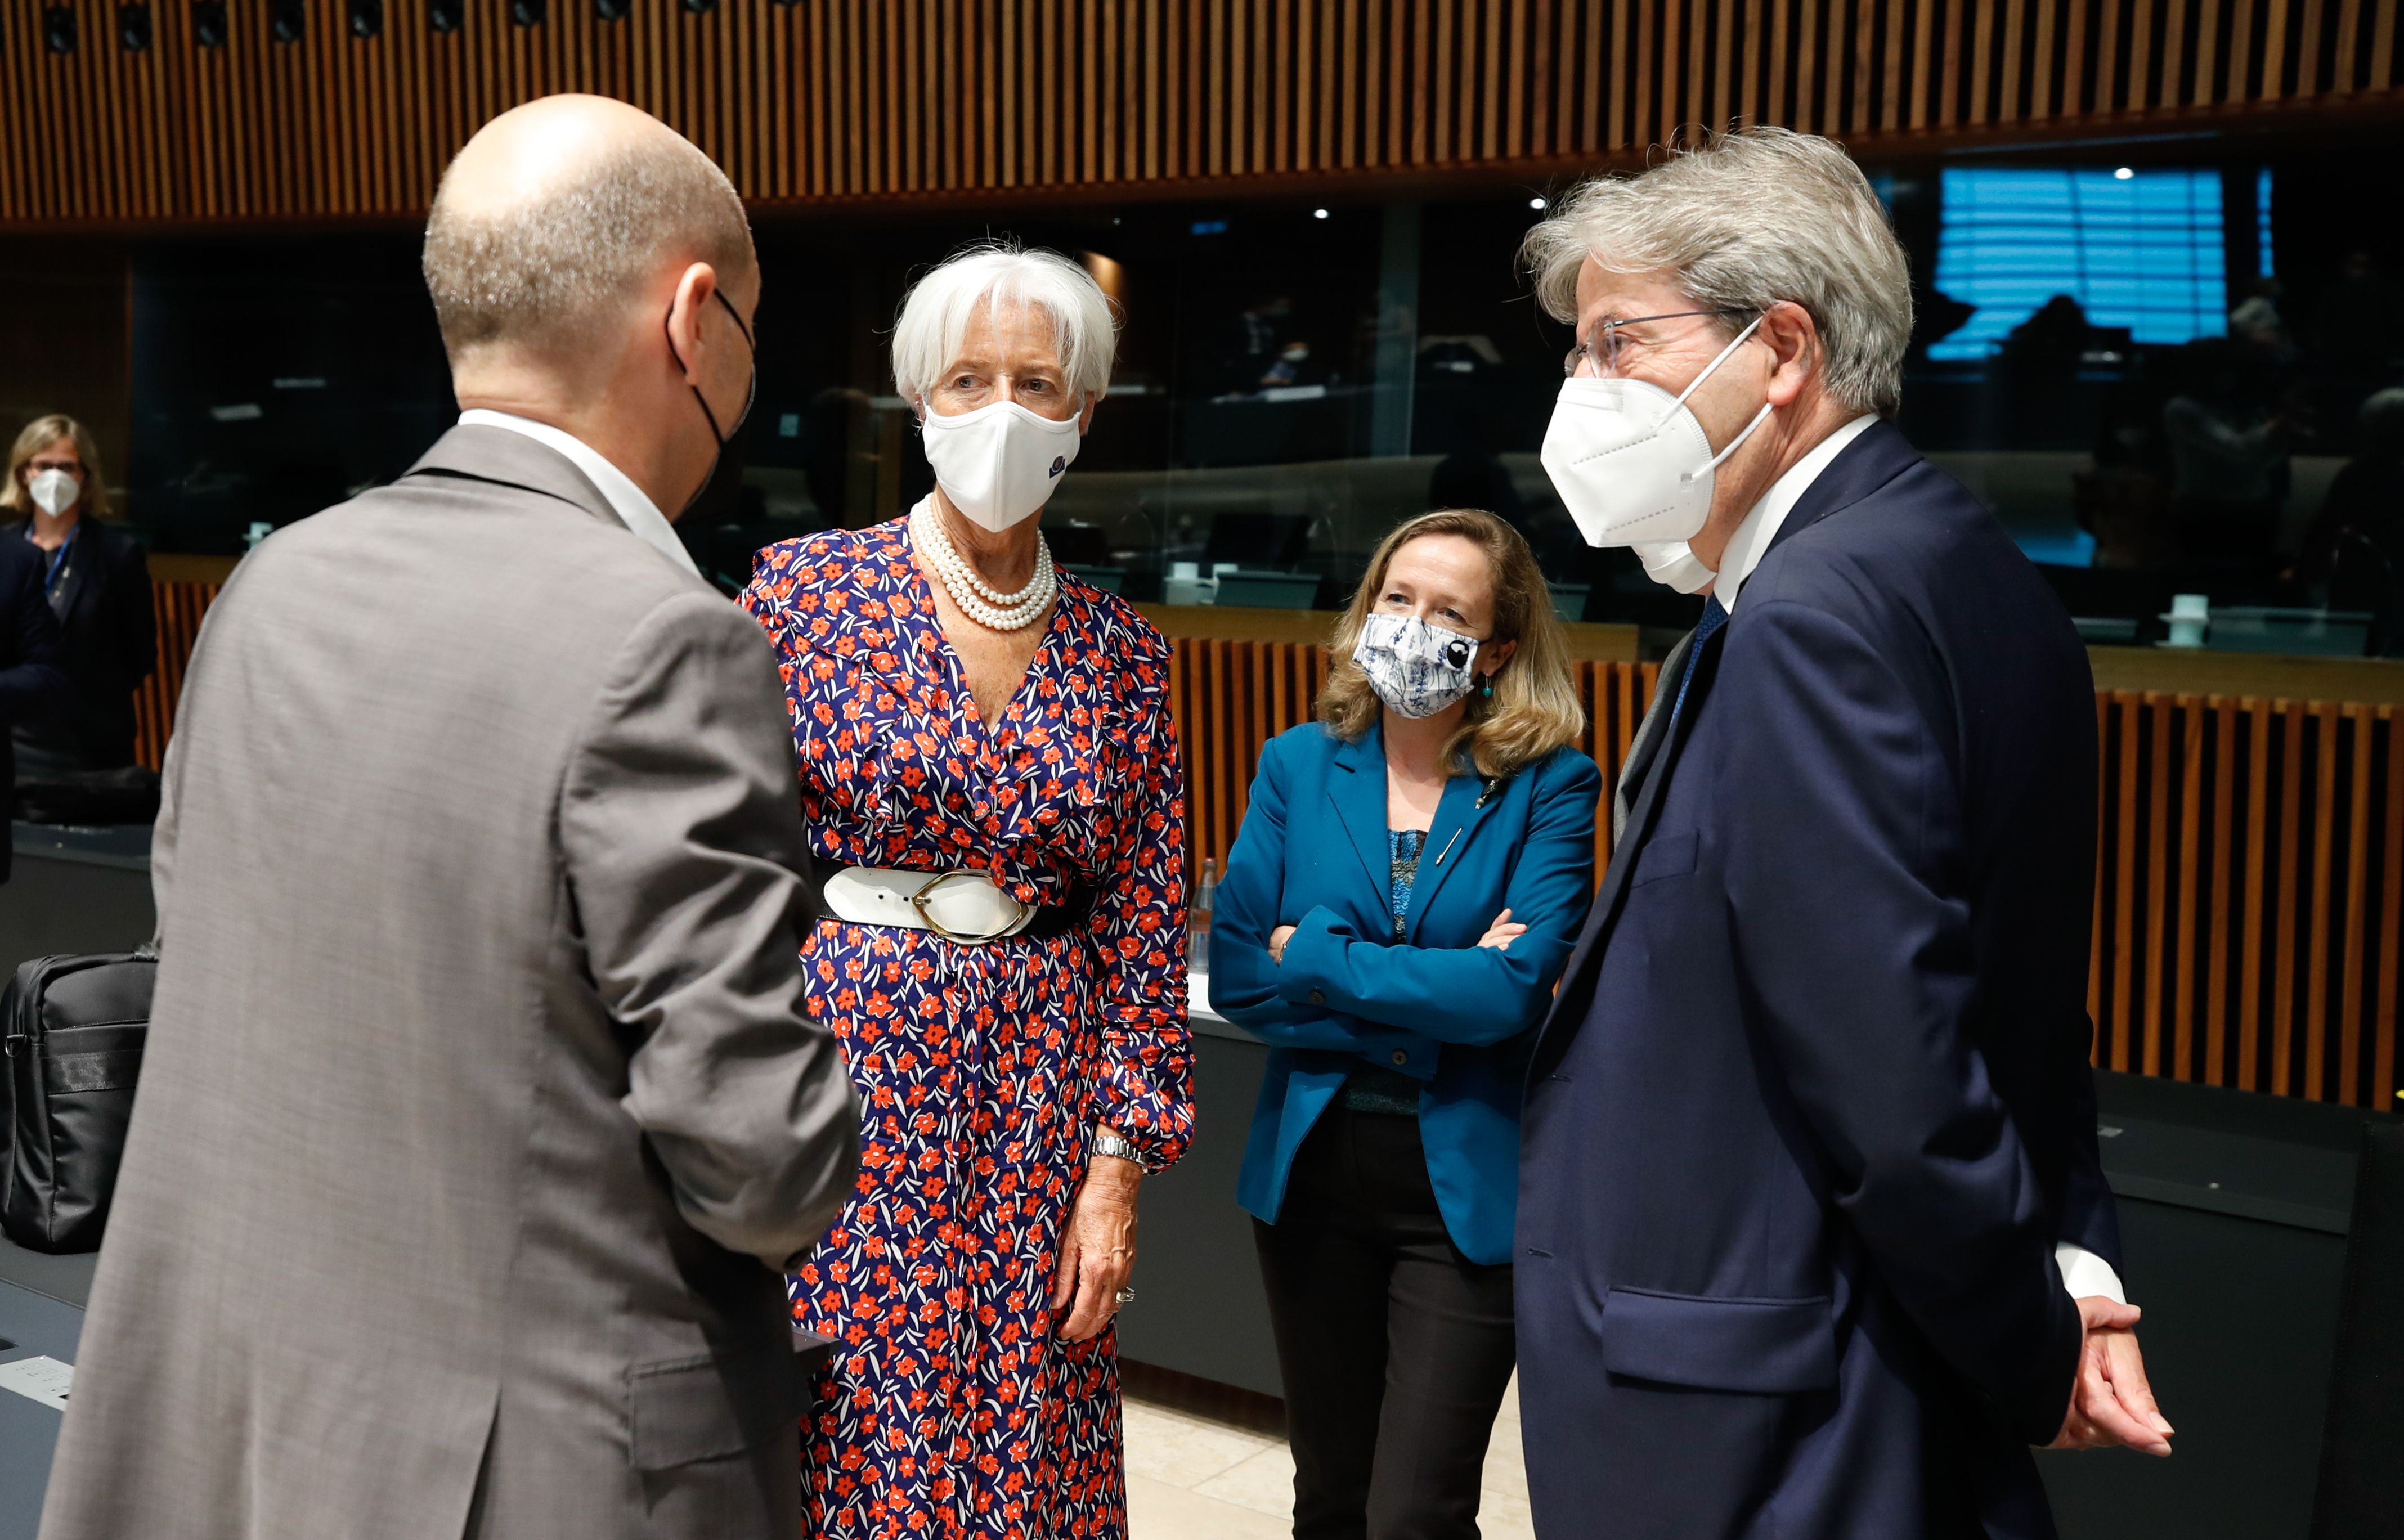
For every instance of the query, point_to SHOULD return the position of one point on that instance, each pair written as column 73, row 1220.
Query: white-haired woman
column 990, row 775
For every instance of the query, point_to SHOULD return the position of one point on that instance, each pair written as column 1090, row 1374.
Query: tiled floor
column 1190, row 1479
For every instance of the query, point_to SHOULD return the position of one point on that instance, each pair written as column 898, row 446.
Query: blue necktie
column 1714, row 617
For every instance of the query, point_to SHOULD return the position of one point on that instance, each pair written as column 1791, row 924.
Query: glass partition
column 2163, row 376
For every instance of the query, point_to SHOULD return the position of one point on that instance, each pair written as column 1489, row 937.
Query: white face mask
column 1671, row 563
column 1000, row 463
column 1632, row 461
column 1417, row 669
column 54, row 491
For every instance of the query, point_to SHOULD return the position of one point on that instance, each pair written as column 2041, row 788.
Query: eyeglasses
column 1604, row 356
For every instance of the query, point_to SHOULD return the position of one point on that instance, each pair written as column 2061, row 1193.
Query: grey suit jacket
column 480, row 1109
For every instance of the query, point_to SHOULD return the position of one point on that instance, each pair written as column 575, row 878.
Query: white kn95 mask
column 53, row 491
column 1632, row 461
column 1672, row 565
column 1000, row 463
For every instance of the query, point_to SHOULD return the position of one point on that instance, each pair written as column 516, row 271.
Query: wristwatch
column 1119, row 1147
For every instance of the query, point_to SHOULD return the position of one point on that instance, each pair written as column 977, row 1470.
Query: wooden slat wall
column 2249, row 919
column 179, row 606
column 880, row 99
column 1231, row 697
column 2249, row 915
column 2248, row 922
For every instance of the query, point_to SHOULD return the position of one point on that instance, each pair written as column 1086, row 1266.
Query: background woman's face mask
column 1417, row 669
column 1000, row 463
column 54, row 491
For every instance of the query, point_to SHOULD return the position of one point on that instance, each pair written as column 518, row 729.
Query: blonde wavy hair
column 1534, row 708
column 39, row 435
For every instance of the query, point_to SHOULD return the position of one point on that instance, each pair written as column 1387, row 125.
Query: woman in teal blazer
column 1409, row 879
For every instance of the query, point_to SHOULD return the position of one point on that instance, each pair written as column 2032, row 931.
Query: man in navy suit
column 1813, row 1237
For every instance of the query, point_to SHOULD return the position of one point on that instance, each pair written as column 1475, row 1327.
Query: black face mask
column 721, row 493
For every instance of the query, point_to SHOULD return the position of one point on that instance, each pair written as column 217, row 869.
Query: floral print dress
column 950, row 1408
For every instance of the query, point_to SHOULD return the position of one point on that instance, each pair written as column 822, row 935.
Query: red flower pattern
column 950, row 1408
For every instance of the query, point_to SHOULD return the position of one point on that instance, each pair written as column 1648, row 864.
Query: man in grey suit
column 481, row 1110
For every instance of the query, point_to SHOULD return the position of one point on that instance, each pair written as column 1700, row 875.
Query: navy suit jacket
column 31, row 681
column 108, row 644
column 1813, row 1107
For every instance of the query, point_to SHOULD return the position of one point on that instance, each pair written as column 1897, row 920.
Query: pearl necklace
column 989, row 607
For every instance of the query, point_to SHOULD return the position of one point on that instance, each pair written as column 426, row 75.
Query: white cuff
column 2084, row 1273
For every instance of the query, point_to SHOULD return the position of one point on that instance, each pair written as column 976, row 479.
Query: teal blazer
column 1457, row 1017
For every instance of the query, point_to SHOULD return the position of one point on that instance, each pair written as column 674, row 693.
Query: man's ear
column 1793, row 342
column 691, row 301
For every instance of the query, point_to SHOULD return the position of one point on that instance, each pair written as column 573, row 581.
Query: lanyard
column 60, row 565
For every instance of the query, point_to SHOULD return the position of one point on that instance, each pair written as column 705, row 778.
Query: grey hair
column 541, row 273
column 1740, row 222
column 936, row 313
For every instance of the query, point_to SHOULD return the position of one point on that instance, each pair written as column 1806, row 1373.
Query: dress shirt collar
column 636, row 511
column 1746, row 547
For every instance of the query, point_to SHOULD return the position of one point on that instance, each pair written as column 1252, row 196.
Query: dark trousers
column 1394, row 1348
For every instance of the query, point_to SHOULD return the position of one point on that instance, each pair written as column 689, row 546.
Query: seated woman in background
column 98, row 583
column 1397, row 957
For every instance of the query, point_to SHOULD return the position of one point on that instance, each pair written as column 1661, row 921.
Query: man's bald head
column 559, row 215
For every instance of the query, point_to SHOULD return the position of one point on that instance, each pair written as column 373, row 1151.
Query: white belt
column 959, row 905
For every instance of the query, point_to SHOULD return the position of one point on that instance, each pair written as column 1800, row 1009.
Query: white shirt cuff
column 2084, row 1273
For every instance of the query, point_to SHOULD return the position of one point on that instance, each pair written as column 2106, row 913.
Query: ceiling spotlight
column 526, row 13
column 612, row 11
column 444, row 16
column 1536, row 203
column 367, row 18
column 209, row 23
column 288, row 21
column 59, row 29
column 1318, row 214
column 134, row 28
column 2123, row 174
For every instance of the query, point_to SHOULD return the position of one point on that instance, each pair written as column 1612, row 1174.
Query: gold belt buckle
column 918, row 902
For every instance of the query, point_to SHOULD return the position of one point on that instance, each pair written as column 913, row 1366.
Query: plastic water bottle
column 1197, row 920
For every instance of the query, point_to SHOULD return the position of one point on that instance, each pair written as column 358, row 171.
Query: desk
column 1199, row 1308
column 2233, row 1209
column 75, row 890
column 41, row 1315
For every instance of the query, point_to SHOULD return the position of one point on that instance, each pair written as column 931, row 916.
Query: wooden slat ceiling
column 829, row 100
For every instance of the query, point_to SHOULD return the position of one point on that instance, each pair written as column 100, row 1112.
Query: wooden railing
column 1231, row 697
column 179, row 606
column 2249, row 890
column 2249, row 893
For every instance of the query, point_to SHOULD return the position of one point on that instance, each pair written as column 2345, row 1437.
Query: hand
column 2110, row 1402
column 1278, row 938
column 1097, row 1250
column 1503, row 932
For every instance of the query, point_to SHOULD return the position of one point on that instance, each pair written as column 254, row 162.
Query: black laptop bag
column 73, row 1029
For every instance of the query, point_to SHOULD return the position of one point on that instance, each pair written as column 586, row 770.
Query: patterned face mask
column 1415, row 668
